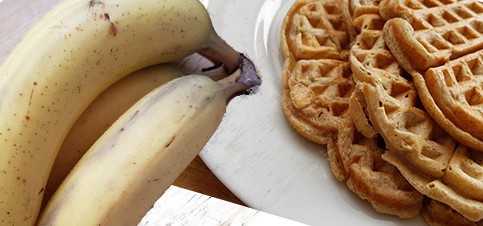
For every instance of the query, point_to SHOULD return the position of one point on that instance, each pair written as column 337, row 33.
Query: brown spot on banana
column 97, row 11
column 170, row 142
column 134, row 115
column 94, row 3
column 112, row 29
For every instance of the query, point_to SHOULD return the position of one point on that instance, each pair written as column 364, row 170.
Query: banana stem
column 243, row 79
column 220, row 53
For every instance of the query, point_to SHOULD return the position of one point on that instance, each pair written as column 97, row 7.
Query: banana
column 142, row 153
column 65, row 61
column 100, row 114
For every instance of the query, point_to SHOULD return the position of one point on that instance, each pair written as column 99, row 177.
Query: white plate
column 255, row 153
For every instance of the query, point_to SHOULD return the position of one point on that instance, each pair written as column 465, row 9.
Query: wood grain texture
column 198, row 177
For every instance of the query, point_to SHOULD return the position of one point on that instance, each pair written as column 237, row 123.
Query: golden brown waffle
column 359, row 160
column 443, row 29
column 445, row 63
column 385, row 103
column 361, row 7
column 461, row 187
column 388, row 100
column 439, row 214
column 373, row 64
column 315, row 29
column 440, row 44
column 457, row 89
column 315, row 40
column 315, row 100
column 315, row 97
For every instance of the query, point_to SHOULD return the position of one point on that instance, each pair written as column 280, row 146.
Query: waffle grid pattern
column 316, row 94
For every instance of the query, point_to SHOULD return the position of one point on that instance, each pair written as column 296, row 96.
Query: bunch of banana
column 142, row 153
column 65, row 61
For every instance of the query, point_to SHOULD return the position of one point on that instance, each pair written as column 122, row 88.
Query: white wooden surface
column 179, row 206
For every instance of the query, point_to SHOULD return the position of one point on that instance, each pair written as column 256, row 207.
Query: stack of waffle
column 394, row 88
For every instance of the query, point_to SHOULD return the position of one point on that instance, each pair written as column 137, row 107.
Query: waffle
column 443, row 29
column 439, row 214
column 316, row 29
column 457, row 90
column 385, row 102
column 389, row 102
column 373, row 65
column 440, row 44
column 315, row 41
column 315, row 99
column 460, row 188
column 370, row 177
column 362, row 7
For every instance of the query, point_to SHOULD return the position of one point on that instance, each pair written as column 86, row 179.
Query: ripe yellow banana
column 142, row 153
column 100, row 114
column 65, row 61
